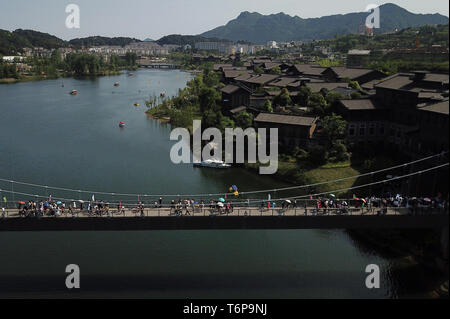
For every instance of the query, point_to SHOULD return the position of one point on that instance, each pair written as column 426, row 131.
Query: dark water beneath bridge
column 52, row 138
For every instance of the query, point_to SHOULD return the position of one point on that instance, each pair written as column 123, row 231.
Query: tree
column 130, row 58
column 258, row 70
column 209, row 119
column 333, row 97
column 268, row 106
column 210, row 78
column 318, row 155
column 283, row 98
column 318, row 103
column 224, row 122
column 208, row 99
column 244, row 120
column 338, row 152
column 354, row 85
column 334, row 128
column 275, row 70
column 303, row 95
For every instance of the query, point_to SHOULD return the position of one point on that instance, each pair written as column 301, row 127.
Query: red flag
column 310, row 197
column 139, row 198
column 225, row 195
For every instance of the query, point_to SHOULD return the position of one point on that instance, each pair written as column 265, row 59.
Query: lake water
column 50, row 137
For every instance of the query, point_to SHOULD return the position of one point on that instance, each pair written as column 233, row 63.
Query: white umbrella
column 81, row 201
column 220, row 204
column 332, row 195
column 288, row 201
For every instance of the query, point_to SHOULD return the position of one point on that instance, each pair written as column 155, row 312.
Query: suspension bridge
column 249, row 214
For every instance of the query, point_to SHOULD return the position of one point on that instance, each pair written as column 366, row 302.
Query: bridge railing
column 236, row 211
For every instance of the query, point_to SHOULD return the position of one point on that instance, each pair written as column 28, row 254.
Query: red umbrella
column 23, row 203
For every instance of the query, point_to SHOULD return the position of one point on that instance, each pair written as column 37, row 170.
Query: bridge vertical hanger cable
column 221, row 194
column 256, row 201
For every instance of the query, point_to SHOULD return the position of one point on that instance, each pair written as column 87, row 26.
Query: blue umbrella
column 222, row 200
column 46, row 204
column 58, row 203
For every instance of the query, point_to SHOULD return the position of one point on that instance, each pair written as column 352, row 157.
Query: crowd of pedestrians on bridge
column 188, row 207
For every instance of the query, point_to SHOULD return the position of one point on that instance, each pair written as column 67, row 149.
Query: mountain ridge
column 258, row 28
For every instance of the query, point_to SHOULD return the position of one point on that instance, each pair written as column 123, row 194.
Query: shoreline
column 37, row 78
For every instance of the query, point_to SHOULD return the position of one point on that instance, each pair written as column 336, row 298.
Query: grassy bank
column 301, row 174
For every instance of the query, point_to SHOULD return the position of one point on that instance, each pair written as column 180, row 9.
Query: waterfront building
column 408, row 113
column 292, row 130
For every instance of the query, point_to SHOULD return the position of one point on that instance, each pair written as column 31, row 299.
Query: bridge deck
column 240, row 218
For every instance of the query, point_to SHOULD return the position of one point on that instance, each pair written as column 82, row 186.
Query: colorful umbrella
column 222, row 200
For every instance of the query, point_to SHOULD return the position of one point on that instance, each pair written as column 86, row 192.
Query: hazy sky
column 156, row 18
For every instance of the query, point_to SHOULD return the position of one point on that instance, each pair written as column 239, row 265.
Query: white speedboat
column 212, row 163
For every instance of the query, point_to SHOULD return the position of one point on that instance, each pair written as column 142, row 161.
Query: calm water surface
column 52, row 138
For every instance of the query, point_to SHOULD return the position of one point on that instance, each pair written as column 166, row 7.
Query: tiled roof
column 441, row 107
column 435, row 77
column 238, row 109
column 217, row 67
column 229, row 89
column 396, row 82
column 230, row 74
column 359, row 104
column 351, row 73
column 317, row 87
column 285, row 119
column 283, row 81
column 261, row 78
column 309, row 69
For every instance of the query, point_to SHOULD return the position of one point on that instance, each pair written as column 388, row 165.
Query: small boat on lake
column 212, row 163
column 74, row 92
column 116, row 84
column 136, row 104
column 121, row 124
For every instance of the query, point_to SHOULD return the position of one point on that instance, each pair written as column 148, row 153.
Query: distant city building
column 12, row 58
column 222, row 47
column 272, row 45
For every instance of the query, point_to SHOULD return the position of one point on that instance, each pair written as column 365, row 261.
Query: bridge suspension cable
column 220, row 194
column 247, row 202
